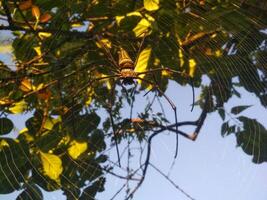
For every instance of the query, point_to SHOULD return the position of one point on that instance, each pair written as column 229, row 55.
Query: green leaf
column 222, row 113
column 238, row 109
column 14, row 158
column 97, row 186
column 224, row 128
column 253, row 139
column 6, row 125
column 31, row 192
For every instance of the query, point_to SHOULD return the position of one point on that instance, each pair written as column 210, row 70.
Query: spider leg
column 175, row 72
column 108, row 54
column 172, row 105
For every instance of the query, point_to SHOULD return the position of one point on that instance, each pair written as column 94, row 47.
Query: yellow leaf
column 142, row 62
column 77, row 148
column 218, row 53
column 104, row 42
column 90, row 96
column 52, row 166
column 18, row 107
column 45, row 18
column 26, row 134
column 38, row 50
column 5, row 102
column 77, row 25
column 143, row 26
column 3, row 143
column 6, row 48
column 36, row 12
column 192, row 67
column 43, row 35
column 48, row 124
column 151, row 5
column 119, row 18
column 26, row 85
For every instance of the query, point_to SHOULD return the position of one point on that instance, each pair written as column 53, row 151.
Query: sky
column 210, row 168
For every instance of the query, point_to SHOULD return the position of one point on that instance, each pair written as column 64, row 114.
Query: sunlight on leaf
column 3, row 143
column 36, row 12
column 49, row 124
column 142, row 62
column 143, row 26
column 119, row 18
column 192, row 67
column 52, row 166
column 38, row 50
column 27, row 136
column 26, row 85
column 45, row 18
column 18, row 107
column 6, row 48
column 77, row 148
column 77, row 25
column 104, row 42
column 151, row 5
column 90, row 93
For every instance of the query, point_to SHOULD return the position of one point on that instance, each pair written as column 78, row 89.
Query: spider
column 124, row 71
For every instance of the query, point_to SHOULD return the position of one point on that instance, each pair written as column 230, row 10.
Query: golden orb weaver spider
column 124, row 70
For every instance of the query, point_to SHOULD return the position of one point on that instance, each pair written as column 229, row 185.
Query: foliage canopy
column 63, row 50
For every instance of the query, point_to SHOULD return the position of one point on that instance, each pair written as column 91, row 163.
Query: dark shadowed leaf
column 238, row 109
column 31, row 192
column 6, row 125
column 252, row 139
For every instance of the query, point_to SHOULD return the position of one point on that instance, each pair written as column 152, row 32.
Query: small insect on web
column 124, row 70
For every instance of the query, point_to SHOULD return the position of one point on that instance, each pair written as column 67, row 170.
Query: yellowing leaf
column 26, row 134
column 90, row 96
column 18, row 107
column 26, row 85
column 38, row 50
column 5, row 102
column 151, row 5
column 142, row 62
column 45, row 18
column 52, row 166
column 25, row 5
column 36, row 12
column 119, row 18
column 104, row 42
column 77, row 148
column 6, row 48
column 48, row 124
column 43, row 35
column 143, row 26
column 218, row 53
column 3, row 143
column 192, row 67
column 76, row 25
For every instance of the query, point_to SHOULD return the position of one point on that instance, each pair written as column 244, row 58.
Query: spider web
column 133, row 152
